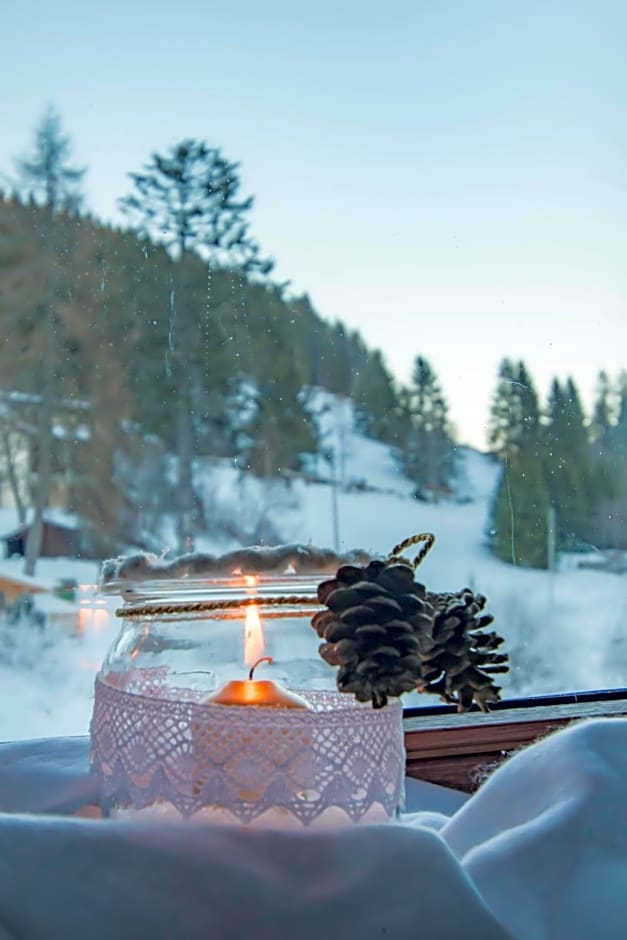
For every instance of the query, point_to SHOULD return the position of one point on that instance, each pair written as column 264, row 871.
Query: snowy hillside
column 564, row 630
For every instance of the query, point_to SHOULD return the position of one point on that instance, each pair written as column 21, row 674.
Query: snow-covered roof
column 8, row 573
column 11, row 526
column 60, row 517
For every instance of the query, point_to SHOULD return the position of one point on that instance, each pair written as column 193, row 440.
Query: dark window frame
column 458, row 751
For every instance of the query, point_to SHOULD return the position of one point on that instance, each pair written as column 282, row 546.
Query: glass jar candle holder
column 173, row 732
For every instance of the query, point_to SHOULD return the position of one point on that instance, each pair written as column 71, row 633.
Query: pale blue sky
column 450, row 177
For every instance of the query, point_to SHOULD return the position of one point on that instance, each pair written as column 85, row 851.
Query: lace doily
column 154, row 744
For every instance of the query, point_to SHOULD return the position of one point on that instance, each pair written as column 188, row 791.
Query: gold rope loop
column 197, row 607
column 396, row 555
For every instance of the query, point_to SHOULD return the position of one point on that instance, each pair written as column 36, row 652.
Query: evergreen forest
column 130, row 352
column 564, row 480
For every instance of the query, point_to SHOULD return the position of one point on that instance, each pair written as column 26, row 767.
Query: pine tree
column 575, row 420
column 514, row 423
column 529, row 409
column 279, row 428
column 188, row 200
column 619, row 431
column 54, row 184
column 337, row 362
column 566, row 463
column 519, row 517
column 608, row 432
column 46, row 176
column 377, row 404
column 505, row 420
column 429, row 456
column 605, row 476
column 97, row 437
column 602, row 415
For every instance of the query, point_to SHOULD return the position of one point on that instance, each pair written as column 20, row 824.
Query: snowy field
column 564, row 630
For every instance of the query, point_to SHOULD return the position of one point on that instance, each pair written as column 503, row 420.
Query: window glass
column 320, row 274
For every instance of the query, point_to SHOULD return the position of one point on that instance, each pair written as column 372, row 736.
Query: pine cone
column 389, row 635
column 371, row 629
column 458, row 657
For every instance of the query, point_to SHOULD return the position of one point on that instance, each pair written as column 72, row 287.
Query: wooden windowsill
column 459, row 750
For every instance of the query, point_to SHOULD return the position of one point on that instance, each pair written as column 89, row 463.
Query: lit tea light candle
column 253, row 691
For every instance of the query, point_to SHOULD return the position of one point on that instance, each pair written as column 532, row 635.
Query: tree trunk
column 34, row 540
column 182, row 341
column 41, row 500
column 185, row 454
column 12, row 473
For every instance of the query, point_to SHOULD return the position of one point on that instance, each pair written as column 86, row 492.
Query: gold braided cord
column 428, row 540
column 197, row 607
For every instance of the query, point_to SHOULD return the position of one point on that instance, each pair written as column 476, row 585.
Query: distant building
column 14, row 585
column 59, row 540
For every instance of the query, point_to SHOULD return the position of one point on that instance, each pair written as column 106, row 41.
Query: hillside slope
column 564, row 630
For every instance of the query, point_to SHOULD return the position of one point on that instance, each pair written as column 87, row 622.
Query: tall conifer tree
column 376, row 401
column 520, row 513
column 430, row 451
column 565, row 463
column 505, row 419
column 188, row 199
column 519, row 517
column 604, row 471
column 52, row 182
column 619, row 432
column 46, row 176
column 609, row 464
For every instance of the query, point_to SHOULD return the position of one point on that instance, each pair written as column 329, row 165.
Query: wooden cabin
column 58, row 541
column 14, row 585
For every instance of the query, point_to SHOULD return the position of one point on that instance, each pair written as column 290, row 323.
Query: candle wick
column 264, row 659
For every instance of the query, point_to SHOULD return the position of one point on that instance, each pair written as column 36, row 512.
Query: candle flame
column 253, row 631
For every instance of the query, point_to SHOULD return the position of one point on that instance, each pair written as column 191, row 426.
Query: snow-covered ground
column 564, row 630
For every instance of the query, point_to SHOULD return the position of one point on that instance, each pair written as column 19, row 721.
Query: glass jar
column 163, row 748
column 200, row 634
